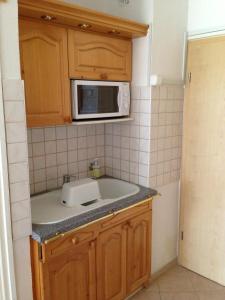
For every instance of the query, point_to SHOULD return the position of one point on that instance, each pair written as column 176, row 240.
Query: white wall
column 9, row 40
column 169, row 27
column 141, row 61
column 165, row 226
column 206, row 14
column 137, row 10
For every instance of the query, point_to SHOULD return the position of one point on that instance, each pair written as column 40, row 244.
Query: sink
column 78, row 197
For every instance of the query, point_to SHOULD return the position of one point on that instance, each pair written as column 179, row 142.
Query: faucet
column 67, row 178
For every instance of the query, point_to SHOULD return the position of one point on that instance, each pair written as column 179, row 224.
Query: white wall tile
column 61, row 145
column 39, row 162
column 91, row 130
column 17, row 152
column 71, row 131
column 16, row 132
column 20, row 210
column 52, row 184
column 82, row 154
column 18, row 172
column 39, row 175
column 50, row 147
column 22, row 268
column 37, row 135
column 50, row 134
column 82, row 131
column 62, row 158
column 51, row 173
column 100, row 140
column 61, row 132
column 38, row 149
column 14, row 111
column 21, row 228
column 13, row 90
column 19, row 191
column 82, row 142
column 72, row 156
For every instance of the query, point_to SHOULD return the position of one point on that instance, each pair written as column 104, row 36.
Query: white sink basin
column 79, row 197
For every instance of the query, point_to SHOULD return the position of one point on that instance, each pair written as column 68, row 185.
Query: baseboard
column 167, row 267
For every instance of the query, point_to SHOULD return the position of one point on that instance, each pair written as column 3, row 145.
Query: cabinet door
column 44, row 67
column 138, row 251
column 99, row 57
column 72, row 275
column 111, row 264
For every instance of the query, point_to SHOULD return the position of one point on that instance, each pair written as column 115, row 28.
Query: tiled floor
column 181, row 284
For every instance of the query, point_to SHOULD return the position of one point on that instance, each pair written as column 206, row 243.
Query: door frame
column 7, row 274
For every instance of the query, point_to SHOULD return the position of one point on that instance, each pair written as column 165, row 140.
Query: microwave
column 100, row 99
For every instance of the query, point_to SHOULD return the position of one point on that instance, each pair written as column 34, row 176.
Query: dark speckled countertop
column 42, row 233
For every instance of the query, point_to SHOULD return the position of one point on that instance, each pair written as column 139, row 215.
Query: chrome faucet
column 67, row 178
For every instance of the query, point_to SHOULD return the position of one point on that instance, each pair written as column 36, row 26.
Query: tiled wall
column 166, row 134
column 127, row 145
column 146, row 151
column 17, row 156
column 16, row 140
column 56, row 151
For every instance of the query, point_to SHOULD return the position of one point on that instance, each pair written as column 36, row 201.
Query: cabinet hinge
column 182, row 235
column 189, row 77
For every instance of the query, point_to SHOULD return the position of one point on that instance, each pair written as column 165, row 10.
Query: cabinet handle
column 104, row 76
column 75, row 240
column 129, row 224
column 92, row 244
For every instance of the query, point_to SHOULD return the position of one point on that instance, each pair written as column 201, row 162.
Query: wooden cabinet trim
column 142, row 205
column 70, row 241
column 74, row 16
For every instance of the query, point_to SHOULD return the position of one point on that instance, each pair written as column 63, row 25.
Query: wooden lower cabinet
column 111, row 264
column 138, row 251
column 72, row 275
column 107, row 260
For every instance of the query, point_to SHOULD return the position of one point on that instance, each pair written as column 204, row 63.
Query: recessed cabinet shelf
column 102, row 121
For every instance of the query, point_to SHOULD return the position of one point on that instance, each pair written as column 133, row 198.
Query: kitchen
column 135, row 138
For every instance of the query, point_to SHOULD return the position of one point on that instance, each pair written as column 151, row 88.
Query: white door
column 203, row 163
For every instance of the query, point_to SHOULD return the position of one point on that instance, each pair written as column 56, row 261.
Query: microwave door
column 98, row 101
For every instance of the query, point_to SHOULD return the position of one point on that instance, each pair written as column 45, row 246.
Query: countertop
column 41, row 233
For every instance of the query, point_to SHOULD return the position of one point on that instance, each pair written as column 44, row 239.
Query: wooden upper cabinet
column 138, row 251
column 44, row 67
column 98, row 57
column 71, row 275
column 111, row 264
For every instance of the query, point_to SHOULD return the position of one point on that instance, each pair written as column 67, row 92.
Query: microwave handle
column 119, row 100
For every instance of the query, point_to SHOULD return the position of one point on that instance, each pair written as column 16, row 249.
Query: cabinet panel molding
column 138, row 254
column 44, row 68
column 98, row 57
column 111, row 264
column 71, row 275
